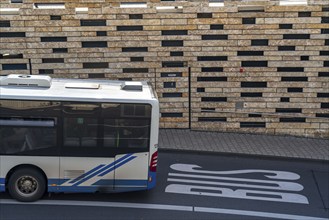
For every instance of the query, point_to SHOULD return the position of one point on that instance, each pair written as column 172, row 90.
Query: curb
column 255, row 156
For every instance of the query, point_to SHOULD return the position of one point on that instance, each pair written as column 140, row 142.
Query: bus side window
column 80, row 132
column 133, row 133
column 110, row 133
column 13, row 139
column 25, row 139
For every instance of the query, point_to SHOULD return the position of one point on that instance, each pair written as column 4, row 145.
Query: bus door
column 132, row 141
column 85, row 164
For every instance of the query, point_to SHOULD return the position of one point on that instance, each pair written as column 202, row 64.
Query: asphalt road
column 199, row 186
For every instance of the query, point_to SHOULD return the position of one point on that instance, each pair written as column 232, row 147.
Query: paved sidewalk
column 249, row 144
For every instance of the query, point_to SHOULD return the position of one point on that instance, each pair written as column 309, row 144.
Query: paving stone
column 249, row 144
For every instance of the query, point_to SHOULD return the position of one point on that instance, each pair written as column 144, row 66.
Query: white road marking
column 271, row 174
column 191, row 179
column 256, row 214
column 263, row 184
column 163, row 207
column 238, row 193
column 101, row 204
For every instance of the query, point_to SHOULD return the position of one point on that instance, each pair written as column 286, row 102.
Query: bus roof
column 34, row 87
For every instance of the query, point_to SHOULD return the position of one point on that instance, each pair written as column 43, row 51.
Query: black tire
column 26, row 185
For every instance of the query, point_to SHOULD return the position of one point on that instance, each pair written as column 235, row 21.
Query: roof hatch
column 82, row 85
column 132, row 86
column 26, row 80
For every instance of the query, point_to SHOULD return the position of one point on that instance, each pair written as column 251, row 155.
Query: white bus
column 71, row 135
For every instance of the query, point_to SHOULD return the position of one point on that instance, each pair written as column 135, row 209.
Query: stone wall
column 254, row 67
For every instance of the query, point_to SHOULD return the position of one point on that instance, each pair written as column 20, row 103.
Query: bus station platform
column 244, row 144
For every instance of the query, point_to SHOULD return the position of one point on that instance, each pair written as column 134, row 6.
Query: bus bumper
column 151, row 180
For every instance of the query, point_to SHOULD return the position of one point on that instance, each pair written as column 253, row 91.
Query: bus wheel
column 26, row 185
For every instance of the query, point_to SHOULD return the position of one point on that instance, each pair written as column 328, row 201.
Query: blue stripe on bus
column 91, row 175
column 88, row 189
column 104, row 182
column 72, row 189
column 2, row 185
column 130, row 183
column 82, row 189
column 117, row 165
column 86, row 174
column 57, row 181
column 129, row 189
column 108, row 182
column 99, row 170
column 102, row 170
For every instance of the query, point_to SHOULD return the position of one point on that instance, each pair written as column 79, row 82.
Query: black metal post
column 189, row 98
column 30, row 66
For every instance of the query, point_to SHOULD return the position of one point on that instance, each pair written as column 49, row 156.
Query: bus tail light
column 154, row 162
